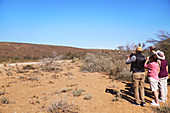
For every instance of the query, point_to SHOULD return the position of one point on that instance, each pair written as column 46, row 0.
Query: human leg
column 136, row 87
column 156, row 96
column 142, row 81
column 166, row 89
column 163, row 89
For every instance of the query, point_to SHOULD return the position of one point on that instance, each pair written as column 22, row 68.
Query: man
column 138, row 74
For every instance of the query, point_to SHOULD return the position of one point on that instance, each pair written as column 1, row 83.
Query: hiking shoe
column 154, row 103
column 143, row 104
column 161, row 100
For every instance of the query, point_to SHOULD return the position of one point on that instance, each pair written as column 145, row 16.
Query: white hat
column 160, row 55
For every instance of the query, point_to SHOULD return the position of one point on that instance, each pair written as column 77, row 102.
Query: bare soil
column 31, row 91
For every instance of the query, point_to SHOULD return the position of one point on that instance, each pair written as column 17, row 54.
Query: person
column 154, row 51
column 163, row 77
column 138, row 75
column 153, row 70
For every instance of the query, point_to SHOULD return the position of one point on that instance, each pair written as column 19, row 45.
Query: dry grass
column 163, row 109
column 62, row 106
column 112, row 64
column 4, row 100
column 23, row 52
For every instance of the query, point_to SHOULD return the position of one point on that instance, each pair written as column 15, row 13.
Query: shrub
column 62, row 106
column 100, row 62
column 163, row 109
column 115, row 99
column 36, row 78
column 9, row 74
column 78, row 92
column 4, row 100
column 65, row 90
column 111, row 63
column 48, row 64
column 29, row 67
column 87, row 97
column 2, row 92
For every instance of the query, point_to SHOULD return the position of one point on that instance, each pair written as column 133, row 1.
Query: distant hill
column 37, row 51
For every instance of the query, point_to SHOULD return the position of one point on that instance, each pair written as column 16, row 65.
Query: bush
column 78, row 92
column 62, row 106
column 4, row 100
column 163, row 109
column 29, row 67
column 111, row 63
column 87, row 97
column 49, row 64
column 100, row 62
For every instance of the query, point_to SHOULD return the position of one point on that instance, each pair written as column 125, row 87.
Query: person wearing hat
column 163, row 77
column 153, row 70
column 138, row 75
column 154, row 51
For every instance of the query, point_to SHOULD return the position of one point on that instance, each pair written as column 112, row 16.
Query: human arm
column 130, row 60
column 158, row 69
column 145, row 65
column 167, row 71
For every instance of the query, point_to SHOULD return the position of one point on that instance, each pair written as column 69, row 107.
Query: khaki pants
column 138, row 83
column 163, row 88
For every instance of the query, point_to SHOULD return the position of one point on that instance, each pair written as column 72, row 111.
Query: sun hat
column 139, row 49
column 160, row 55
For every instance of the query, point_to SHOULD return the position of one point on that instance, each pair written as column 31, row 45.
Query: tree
column 162, row 43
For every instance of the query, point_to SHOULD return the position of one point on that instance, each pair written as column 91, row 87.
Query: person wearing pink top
column 153, row 70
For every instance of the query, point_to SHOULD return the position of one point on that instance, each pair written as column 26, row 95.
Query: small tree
column 162, row 43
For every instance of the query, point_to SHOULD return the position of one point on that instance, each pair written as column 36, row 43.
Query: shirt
column 152, row 70
column 132, row 59
column 163, row 72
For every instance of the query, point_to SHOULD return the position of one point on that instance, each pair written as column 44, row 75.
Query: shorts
column 153, row 84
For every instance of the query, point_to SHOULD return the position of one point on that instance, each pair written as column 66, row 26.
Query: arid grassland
column 59, row 87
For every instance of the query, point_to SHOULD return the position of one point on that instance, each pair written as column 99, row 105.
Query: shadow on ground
column 128, row 93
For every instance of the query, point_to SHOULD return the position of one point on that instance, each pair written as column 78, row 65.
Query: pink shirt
column 152, row 70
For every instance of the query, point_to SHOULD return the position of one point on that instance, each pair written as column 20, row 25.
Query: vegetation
column 28, row 67
column 112, row 64
column 62, row 106
column 162, row 43
column 78, row 92
column 163, row 109
column 4, row 100
column 87, row 97
column 24, row 52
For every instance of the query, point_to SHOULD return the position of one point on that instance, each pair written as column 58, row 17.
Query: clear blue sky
column 100, row 24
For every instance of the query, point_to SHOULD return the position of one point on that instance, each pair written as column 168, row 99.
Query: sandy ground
column 31, row 91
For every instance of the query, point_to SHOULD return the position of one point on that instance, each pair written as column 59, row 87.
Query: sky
column 91, row 24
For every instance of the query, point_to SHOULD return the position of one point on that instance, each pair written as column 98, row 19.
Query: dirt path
column 34, row 92
column 32, row 63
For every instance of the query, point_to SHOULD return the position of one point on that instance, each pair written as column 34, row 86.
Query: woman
column 153, row 70
column 163, row 77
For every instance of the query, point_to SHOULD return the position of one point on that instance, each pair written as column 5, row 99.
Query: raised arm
column 147, row 59
column 130, row 60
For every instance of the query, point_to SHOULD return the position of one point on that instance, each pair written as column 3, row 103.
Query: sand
column 32, row 91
